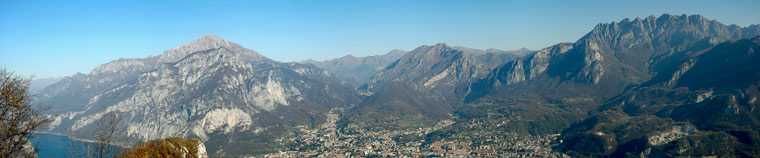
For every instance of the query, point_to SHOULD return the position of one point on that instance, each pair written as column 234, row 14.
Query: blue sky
column 60, row 38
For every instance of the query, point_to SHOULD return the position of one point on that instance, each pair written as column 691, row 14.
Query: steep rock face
column 557, row 72
column 581, row 76
column 74, row 91
column 525, row 69
column 613, row 55
column 715, row 89
column 358, row 70
column 439, row 69
column 494, row 57
column 215, row 95
column 421, row 87
column 727, row 71
column 647, row 45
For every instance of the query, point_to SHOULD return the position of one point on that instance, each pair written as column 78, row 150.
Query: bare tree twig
column 18, row 118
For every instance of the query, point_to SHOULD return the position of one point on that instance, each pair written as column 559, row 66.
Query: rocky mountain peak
column 524, row 49
column 208, row 41
column 439, row 50
column 633, row 42
column 494, row 50
column 653, row 24
column 521, row 52
column 358, row 69
column 205, row 42
column 210, row 37
column 438, row 66
column 349, row 57
column 684, row 17
column 396, row 52
column 617, row 54
column 204, row 59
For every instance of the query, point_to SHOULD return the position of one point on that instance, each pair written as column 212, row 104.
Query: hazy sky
column 60, row 38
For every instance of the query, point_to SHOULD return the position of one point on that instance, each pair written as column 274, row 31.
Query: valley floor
column 329, row 141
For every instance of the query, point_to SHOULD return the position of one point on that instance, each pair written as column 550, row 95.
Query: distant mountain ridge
column 477, row 52
column 358, row 69
column 38, row 84
column 494, row 57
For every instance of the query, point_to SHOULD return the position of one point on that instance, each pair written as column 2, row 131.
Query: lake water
column 51, row 146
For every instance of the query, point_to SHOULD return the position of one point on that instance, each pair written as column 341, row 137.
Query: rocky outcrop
column 169, row 147
column 615, row 134
column 676, row 132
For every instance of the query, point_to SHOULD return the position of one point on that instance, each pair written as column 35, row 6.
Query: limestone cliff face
column 74, row 91
column 612, row 56
column 210, row 94
column 710, row 93
column 438, row 69
column 528, row 68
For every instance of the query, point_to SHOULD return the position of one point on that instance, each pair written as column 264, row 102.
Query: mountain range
column 359, row 70
column 667, row 86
